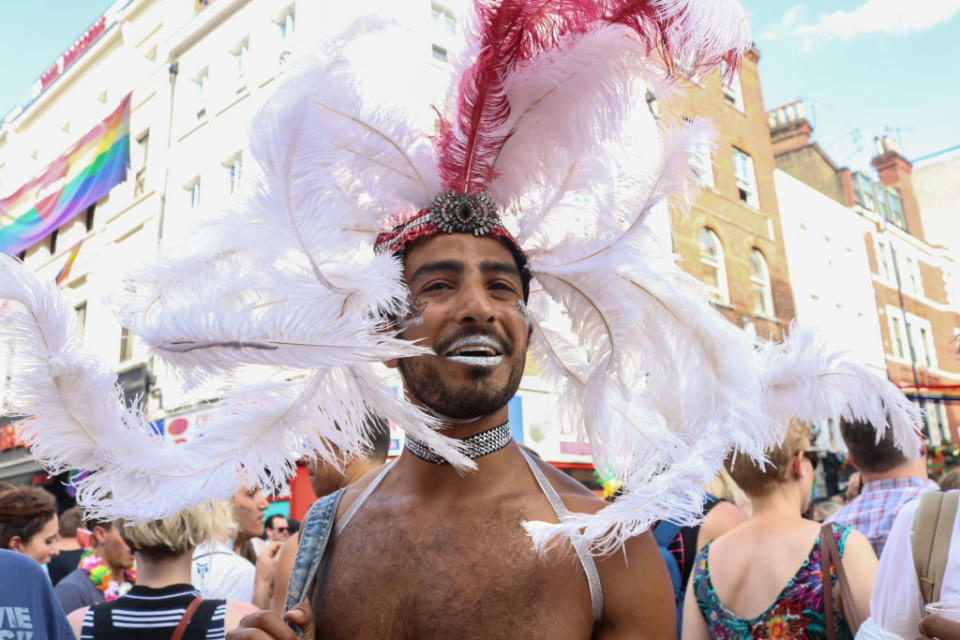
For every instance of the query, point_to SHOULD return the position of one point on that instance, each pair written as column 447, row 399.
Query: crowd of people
column 467, row 534
column 753, row 568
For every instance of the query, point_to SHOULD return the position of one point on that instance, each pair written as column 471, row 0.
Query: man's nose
column 475, row 306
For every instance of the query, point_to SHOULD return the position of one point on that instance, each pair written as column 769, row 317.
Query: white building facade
column 830, row 276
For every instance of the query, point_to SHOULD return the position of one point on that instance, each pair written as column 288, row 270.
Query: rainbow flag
column 64, row 272
column 71, row 183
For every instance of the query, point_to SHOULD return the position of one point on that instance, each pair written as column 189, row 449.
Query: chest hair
column 461, row 572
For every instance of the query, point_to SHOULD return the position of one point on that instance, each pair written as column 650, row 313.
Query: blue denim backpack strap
column 314, row 537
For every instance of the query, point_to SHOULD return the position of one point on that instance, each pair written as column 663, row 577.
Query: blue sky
column 866, row 67
column 33, row 35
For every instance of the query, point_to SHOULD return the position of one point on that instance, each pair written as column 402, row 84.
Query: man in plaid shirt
column 889, row 480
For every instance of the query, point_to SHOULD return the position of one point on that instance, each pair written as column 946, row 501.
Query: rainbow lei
column 99, row 574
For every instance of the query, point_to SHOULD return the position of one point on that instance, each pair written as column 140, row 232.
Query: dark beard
column 423, row 380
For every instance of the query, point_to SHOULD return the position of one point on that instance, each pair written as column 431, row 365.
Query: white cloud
column 894, row 17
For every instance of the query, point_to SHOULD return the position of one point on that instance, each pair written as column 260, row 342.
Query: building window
column 732, row 88
column 53, row 241
column 715, row 272
column 884, row 261
column 439, row 53
column 897, row 336
column 241, row 59
column 925, row 347
column 126, row 345
column 746, row 178
column 701, row 164
column 140, row 163
column 200, row 82
column 942, row 421
column 912, row 277
column 193, row 192
column 443, row 19
column 895, row 207
column 234, row 170
column 88, row 217
column 287, row 21
column 81, row 316
column 760, row 283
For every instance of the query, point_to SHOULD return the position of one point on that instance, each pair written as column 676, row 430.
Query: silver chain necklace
column 479, row 444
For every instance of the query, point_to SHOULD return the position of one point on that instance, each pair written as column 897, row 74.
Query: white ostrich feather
column 78, row 419
column 289, row 288
column 802, row 379
column 567, row 101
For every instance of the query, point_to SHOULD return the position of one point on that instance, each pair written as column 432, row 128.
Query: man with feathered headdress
column 525, row 208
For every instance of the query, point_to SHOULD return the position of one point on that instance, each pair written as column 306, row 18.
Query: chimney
column 789, row 129
column 894, row 171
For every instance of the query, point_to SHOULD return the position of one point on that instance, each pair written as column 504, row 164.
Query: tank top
column 153, row 614
column 797, row 611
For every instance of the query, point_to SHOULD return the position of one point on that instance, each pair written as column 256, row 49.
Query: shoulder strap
column 314, row 536
column 586, row 560
column 665, row 531
column 932, row 530
column 185, row 620
column 828, row 545
column 826, row 580
column 355, row 506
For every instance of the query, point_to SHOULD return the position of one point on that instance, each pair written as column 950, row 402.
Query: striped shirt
column 153, row 614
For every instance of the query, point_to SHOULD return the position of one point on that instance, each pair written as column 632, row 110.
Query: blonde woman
column 163, row 595
column 762, row 578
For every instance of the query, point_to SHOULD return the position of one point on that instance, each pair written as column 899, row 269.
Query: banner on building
column 73, row 182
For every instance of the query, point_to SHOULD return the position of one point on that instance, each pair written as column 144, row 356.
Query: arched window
column 714, row 272
column 760, row 283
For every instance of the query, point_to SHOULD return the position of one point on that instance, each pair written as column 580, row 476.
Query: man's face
column 111, row 547
column 468, row 305
column 248, row 508
column 324, row 478
column 279, row 530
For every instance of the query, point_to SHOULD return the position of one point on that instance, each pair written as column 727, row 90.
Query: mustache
column 441, row 347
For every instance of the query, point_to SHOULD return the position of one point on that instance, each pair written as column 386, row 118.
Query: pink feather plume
column 510, row 32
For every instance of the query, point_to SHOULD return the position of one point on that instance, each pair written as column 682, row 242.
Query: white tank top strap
column 586, row 560
column 349, row 513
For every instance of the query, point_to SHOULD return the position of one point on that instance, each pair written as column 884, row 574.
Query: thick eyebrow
column 431, row 267
column 491, row 266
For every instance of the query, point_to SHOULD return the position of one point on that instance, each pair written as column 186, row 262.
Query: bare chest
column 468, row 574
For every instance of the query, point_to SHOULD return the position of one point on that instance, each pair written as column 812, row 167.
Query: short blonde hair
column 180, row 532
column 756, row 479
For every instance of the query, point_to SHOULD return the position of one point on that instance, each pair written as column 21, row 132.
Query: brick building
column 915, row 295
column 731, row 238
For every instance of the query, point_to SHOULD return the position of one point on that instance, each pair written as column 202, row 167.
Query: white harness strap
column 586, row 560
column 560, row 509
column 338, row 527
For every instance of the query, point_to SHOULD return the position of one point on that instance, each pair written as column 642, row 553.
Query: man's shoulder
column 76, row 579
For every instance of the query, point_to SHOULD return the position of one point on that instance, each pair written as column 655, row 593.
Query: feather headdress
column 657, row 381
column 535, row 116
column 536, row 111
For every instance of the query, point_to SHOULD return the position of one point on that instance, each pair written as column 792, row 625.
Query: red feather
column 512, row 31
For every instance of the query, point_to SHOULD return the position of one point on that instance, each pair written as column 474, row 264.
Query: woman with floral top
column 762, row 579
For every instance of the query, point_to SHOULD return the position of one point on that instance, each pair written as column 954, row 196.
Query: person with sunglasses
column 276, row 528
column 762, row 578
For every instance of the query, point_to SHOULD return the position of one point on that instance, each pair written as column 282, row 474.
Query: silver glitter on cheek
column 524, row 312
column 414, row 317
